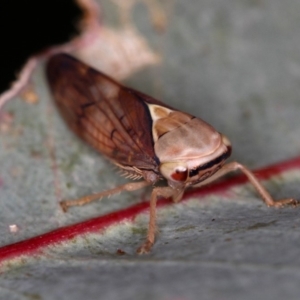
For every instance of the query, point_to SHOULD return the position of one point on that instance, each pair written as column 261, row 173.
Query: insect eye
column 180, row 174
column 174, row 171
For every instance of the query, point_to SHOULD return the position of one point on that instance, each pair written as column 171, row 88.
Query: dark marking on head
column 211, row 163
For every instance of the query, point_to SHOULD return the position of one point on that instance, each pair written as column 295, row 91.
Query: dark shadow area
column 29, row 27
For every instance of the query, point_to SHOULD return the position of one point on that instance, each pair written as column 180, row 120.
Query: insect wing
column 113, row 119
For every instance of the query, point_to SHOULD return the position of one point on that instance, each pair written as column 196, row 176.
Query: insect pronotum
column 146, row 138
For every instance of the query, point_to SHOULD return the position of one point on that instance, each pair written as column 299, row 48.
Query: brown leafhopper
column 146, row 138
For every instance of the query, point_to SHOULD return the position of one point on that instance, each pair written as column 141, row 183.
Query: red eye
column 180, row 175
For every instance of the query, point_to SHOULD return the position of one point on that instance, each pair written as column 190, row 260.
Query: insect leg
column 132, row 186
column 165, row 192
column 267, row 198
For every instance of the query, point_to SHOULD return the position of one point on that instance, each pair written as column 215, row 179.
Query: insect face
column 194, row 169
column 189, row 149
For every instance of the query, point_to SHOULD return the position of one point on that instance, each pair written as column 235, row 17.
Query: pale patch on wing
column 108, row 89
column 165, row 120
column 157, row 112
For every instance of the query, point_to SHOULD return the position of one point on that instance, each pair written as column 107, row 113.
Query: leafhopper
column 146, row 138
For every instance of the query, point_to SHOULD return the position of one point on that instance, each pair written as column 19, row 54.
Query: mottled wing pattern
column 113, row 119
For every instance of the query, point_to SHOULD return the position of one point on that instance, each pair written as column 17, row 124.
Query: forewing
column 113, row 119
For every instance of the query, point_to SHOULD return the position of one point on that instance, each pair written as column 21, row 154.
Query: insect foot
column 284, row 202
column 145, row 248
column 64, row 206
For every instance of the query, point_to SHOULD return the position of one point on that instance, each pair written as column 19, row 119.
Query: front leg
column 165, row 192
column 265, row 195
